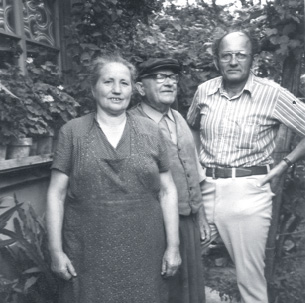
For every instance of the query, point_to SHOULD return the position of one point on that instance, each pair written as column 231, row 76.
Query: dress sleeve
column 63, row 154
column 193, row 115
column 163, row 163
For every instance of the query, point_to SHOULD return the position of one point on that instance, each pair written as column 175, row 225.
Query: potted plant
column 31, row 107
column 56, row 107
column 11, row 114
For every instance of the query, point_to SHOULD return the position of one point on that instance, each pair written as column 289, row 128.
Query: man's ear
column 140, row 88
column 216, row 63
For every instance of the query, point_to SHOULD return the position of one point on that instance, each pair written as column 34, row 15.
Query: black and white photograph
column 152, row 151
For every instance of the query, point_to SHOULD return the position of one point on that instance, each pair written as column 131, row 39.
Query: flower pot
column 44, row 145
column 3, row 149
column 19, row 148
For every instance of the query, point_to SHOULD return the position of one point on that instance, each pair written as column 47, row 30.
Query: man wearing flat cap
column 157, row 84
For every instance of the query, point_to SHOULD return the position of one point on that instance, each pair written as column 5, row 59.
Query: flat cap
column 155, row 64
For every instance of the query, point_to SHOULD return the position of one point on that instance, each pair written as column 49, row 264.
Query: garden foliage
column 33, row 105
column 25, row 253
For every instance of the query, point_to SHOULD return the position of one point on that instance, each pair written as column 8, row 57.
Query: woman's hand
column 60, row 263
column 171, row 262
column 62, row 266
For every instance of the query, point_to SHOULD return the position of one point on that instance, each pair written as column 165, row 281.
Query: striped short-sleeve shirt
column 241, row 130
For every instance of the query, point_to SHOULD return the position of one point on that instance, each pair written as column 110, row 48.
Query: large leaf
column 7, row 199
column 32, row 270
column 4, row 243
column 271, row 31
column 30, row 282
column 7, row 215
column 18, row 228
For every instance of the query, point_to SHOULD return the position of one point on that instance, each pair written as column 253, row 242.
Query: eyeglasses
column 227, row 57
column 161, row 78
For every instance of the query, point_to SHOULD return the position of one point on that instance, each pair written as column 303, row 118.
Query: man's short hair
column 250, row 35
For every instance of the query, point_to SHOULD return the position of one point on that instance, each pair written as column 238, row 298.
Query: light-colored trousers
column 240, row 212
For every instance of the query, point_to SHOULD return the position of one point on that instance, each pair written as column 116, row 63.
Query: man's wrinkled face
column 158, row 94
column 234, row 59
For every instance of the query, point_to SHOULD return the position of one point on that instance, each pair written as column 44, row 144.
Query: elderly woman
column 112, row 215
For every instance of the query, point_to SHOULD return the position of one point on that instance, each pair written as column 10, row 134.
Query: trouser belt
column 231, row 172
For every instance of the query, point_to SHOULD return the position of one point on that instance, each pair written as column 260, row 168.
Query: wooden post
column 290, row 80
column 64, row 13
column 19, row 25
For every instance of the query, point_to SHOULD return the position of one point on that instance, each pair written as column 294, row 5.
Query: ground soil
column 220, row 275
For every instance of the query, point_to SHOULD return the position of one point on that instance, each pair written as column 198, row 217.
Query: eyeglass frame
column 176, row 80
column 234, row 54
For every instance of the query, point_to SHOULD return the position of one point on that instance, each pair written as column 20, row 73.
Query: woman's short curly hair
column 99, row 62
column 249, row 34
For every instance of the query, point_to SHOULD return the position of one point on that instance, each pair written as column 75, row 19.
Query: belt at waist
column 231, row 172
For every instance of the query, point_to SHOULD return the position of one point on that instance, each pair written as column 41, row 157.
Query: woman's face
column 113, row 90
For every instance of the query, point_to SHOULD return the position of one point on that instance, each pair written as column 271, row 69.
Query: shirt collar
column 213, row 89
column 249, row 84
column 155, row 115
column 220, row 87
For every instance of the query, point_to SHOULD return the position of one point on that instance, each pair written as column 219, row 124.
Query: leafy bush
column 26, row 253
column 288, row 284
column 30, row 107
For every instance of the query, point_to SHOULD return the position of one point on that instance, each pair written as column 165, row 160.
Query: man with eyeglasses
column 157, row 84
column 238, row 116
